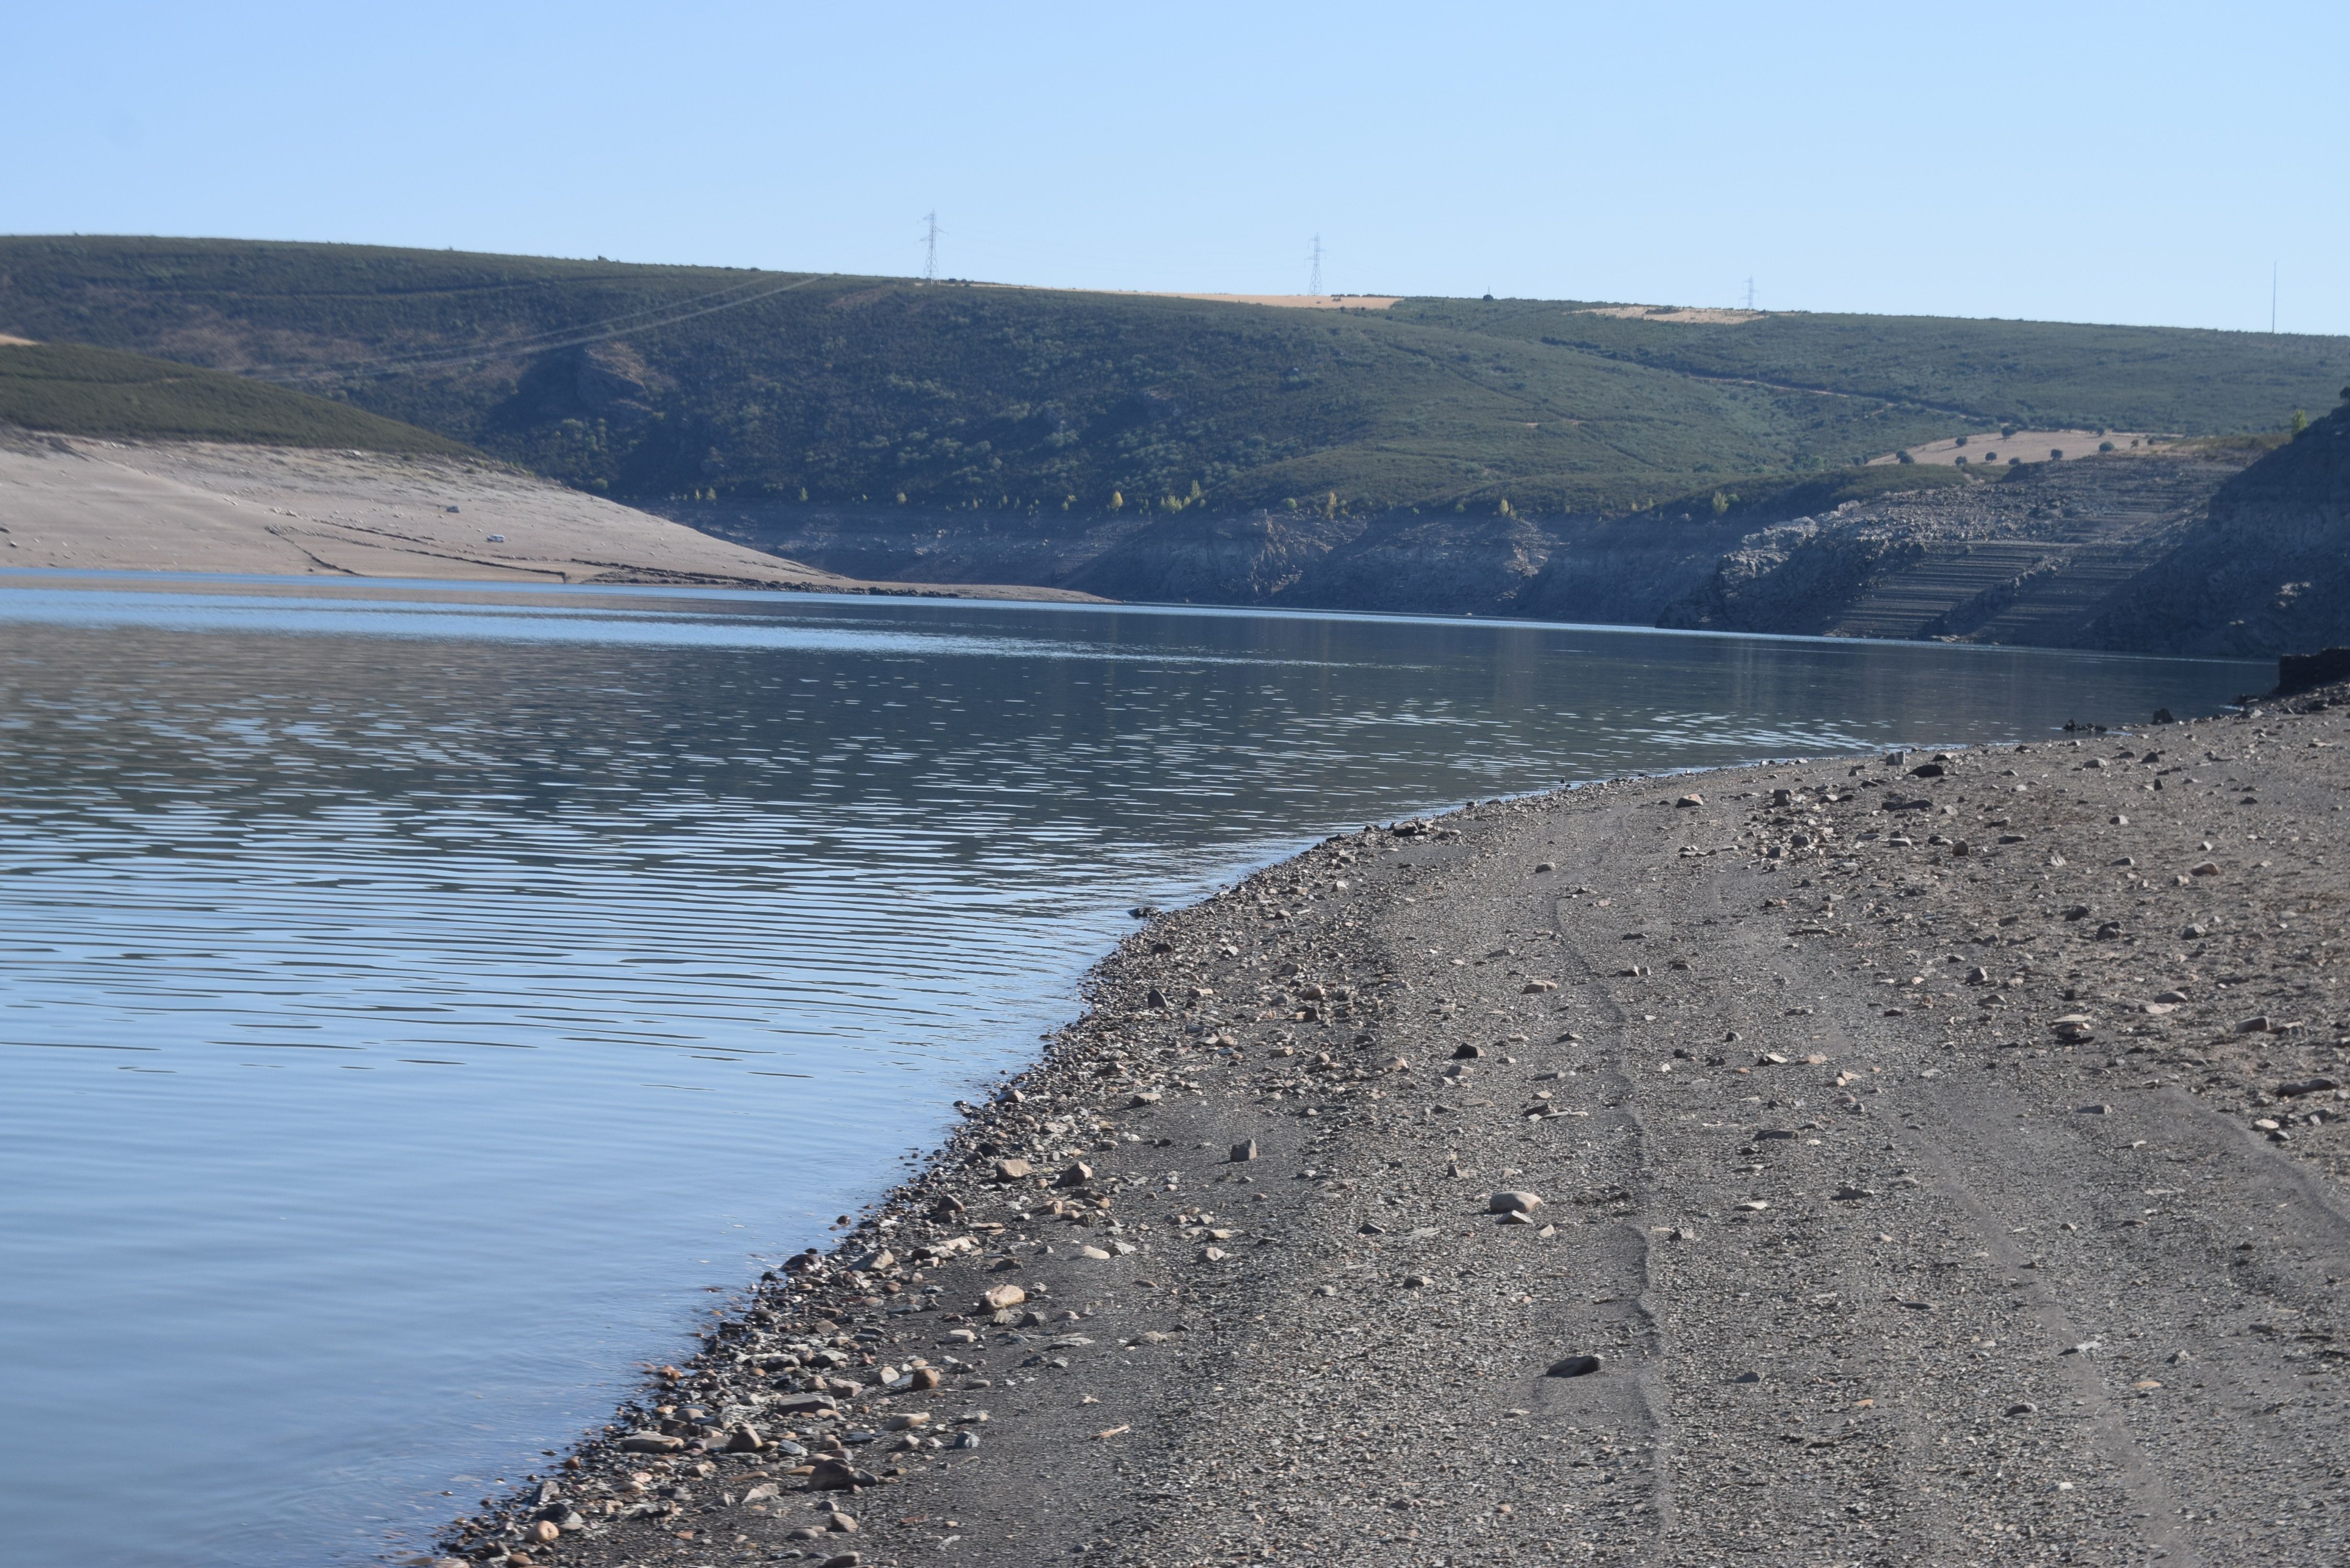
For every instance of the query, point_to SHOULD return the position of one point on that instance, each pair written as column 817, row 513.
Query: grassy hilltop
column 662, row 381
column 78, row 391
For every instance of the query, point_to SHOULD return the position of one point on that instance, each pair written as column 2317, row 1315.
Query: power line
column 1314, row 285
column 652, row 316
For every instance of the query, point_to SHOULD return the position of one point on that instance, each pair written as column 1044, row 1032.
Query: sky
column 2145, row 164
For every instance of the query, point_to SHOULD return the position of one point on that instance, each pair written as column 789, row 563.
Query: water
column 413, row 1003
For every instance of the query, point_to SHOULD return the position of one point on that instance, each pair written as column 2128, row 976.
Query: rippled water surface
column 413, row 1001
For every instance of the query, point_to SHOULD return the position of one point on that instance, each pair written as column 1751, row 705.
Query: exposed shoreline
column 88, row 504
column 1907, row 1219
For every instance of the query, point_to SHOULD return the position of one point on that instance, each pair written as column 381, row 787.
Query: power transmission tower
column 1750, row 293
column 1315, row 256
column 2272, row 276
column 930, row 248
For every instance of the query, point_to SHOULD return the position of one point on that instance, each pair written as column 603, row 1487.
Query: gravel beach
column 1934, row 1158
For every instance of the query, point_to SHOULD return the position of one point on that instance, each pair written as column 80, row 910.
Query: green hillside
column 78, row 390
column 660, row 381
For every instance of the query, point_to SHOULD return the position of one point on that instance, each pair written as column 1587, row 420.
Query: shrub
column 1903, row 457
column 2055, row 455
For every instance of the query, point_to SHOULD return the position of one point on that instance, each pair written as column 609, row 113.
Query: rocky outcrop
column 2031, row 557
column 2201, row 551
column 2266, row 570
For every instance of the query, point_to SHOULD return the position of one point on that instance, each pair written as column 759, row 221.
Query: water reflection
column 411, row 1004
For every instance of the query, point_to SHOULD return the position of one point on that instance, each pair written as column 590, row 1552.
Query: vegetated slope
column 2266, row 570
column 74, row 389
column 1042, row 409
column 2036, row 373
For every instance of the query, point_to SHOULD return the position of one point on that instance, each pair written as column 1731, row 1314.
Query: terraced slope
column 2032, row 558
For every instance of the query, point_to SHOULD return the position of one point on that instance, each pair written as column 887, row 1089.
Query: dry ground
column 86, row 504
column 1943, row 1167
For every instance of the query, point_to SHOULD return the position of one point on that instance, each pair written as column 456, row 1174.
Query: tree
column 1720, row 503
column 2055, row 455
column 1117, row 501
column 2298, row 423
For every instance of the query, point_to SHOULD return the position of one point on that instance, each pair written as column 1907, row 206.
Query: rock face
column 1557, row 568
column 2032, row 558
column 2266, row 570
column 2188, row 551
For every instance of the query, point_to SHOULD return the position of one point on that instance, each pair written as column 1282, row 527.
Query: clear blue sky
column 2107, row 162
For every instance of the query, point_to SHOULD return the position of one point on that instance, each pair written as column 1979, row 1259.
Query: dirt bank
column 104, row 505
column 1936, row 1163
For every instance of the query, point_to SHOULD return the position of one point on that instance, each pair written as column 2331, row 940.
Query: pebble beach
column 1927, row 1157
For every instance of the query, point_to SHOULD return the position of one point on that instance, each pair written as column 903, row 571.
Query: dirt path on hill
column 1908, row 1222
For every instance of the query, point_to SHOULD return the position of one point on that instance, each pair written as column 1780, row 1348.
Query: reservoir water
column 419, row 1006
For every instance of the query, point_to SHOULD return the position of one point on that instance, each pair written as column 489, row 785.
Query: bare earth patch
column 1676, row 314
column 103, row 506
column 2025, row 446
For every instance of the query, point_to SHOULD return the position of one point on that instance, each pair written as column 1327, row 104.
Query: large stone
column 837, row 1475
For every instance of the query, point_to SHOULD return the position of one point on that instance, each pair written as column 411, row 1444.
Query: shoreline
column 89, row 503
column 1935, row 1159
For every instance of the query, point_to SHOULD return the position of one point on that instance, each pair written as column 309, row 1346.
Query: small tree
column 1720, row 503
column 2055, row 455
column 2297, row 424
column 1117, row 501
column 1903, row 457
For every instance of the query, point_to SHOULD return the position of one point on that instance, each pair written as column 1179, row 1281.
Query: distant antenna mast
column 2272, row 276
column 1314, row 285
column 1749, row 292
column 930, row 248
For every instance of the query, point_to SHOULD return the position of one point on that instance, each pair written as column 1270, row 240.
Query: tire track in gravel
column 1638, row 1176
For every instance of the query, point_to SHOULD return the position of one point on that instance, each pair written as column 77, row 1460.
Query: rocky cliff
column 2030, row 558
column 2265, row 570
column 2213, row 548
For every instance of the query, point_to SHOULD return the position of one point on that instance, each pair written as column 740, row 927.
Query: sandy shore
column 1936, row 1160
column 84, row 503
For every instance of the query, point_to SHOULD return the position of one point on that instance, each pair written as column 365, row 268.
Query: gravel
column 2036, row 1270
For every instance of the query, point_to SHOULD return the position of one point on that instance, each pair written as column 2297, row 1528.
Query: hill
column 1041, row 410
column 74, row 389
column 2266, row 568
